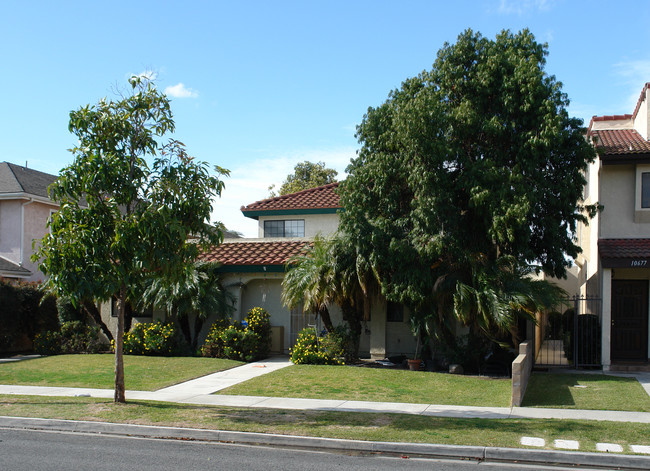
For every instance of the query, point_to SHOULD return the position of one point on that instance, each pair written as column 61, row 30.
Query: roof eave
column 255, row 214
column 625, row 159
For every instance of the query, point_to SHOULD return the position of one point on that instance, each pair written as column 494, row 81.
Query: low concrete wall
column 521, row 369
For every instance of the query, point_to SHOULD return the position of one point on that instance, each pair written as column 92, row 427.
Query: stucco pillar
column 606, row 318
column 378, row 330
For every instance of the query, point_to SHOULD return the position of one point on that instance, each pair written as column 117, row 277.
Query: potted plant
column 416, row 327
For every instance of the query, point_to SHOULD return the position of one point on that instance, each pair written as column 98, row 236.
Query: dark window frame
column 645, row 190
column 284, row 228
column 394, row 312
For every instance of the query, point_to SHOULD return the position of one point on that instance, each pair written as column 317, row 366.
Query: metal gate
column 570, row 335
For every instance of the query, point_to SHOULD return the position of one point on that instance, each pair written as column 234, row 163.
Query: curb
column 477, row 453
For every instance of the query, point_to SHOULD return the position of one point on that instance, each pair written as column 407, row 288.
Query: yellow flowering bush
column 154, row 338
column 249, row 340
column 312, row 350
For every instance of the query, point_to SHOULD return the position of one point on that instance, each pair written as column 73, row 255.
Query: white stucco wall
column 323, row 224
column 641, row 119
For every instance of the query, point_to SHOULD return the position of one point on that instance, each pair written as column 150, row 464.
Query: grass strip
column 142, row 373
column 586, row 391
column 371, row 384
column 346, row 425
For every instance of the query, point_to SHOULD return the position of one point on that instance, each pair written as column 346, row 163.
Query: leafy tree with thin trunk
column 128, row 205
column 467, row 175
column 306, row 175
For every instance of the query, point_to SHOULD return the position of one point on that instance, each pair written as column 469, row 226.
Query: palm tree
column 197, row 291
column 496, row 292
column 309, row 281
column 331, row 272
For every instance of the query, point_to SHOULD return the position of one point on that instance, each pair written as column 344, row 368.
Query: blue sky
column 258, row 86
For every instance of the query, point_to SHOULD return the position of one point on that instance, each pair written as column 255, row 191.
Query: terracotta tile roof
column 321, row 197
column 614, row 117
column 619, row 141
column 624, row 248
column 255, row 252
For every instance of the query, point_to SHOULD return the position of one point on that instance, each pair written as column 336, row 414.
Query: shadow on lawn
column 558, row 389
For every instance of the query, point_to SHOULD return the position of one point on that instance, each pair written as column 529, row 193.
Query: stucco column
column 378, row 330
column 606, row 318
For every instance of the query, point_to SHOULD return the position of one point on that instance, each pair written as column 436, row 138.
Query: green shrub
column 78, row 337
column 247, row 341
column 23, row 314
column 154, row 338
column 214, row 345
column 48, row 343
column 340, row 344
column 67, row 312
column 310, row 350
column 258, row 320
column 74, row 337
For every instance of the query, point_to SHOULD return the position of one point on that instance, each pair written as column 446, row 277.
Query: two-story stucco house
column 24, row 211
column 615, row 263
column 254, row 269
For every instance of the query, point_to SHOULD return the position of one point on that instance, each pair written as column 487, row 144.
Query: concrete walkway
column 200, row 392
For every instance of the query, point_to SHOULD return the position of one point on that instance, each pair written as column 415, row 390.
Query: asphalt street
column 45, row 451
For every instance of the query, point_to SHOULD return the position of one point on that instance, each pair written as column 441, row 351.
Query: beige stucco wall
column 323, row 224
column 10, row 219
column 23, row 222
column 617, row 195
column 36, row 216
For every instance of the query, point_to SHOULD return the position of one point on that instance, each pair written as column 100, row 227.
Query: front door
column 629, row 320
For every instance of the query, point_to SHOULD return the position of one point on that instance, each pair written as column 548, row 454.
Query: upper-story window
column 645, row 190
column 394, row 312
column 285, row 228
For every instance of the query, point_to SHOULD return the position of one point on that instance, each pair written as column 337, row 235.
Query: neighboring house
column 254, row 269
column 615, row 263
column 24, row 212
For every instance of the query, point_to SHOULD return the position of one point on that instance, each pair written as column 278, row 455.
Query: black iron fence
column 570, row 335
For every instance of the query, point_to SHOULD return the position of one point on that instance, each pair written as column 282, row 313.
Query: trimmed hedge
column 23, row 314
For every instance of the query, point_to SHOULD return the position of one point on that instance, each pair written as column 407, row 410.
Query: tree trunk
column 198, row 325
column 352, row 315
column 94, row 314
column 324, row 314
column 119, row 344
column 184, row 324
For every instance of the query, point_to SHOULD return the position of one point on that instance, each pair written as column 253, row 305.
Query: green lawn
column 370, row 384
column 142, row 373
column 347, row 425
column 586, row 391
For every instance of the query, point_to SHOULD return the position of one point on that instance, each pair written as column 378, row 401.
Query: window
column 645, row 190
column 288, row 228
column 394, row 312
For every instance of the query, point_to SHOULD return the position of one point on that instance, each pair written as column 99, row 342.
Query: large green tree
column 128, row 204
column 306, row 175
column 466, row 175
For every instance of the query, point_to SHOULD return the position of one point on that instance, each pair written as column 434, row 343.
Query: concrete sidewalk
column 200, row 392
